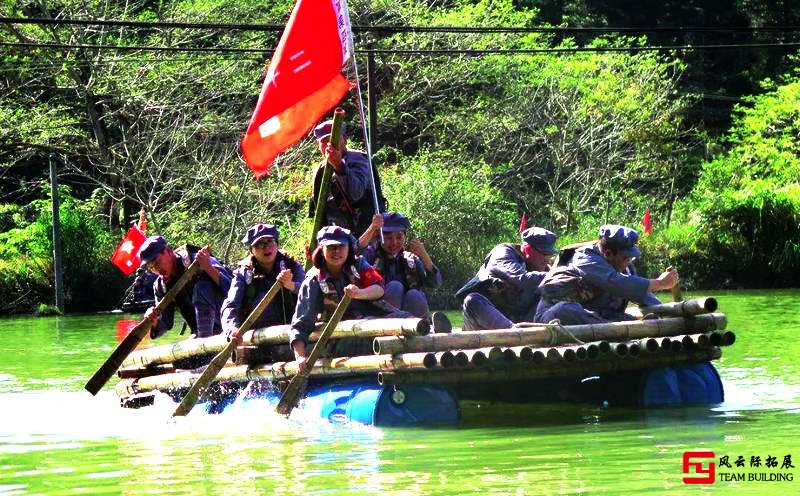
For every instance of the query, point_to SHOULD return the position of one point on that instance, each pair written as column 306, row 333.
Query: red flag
column 646, row 222
column 304, row 81
column 523, row 223
column 142, row 220
column 126, row 256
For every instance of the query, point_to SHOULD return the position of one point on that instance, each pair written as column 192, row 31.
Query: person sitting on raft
column 593, row 283
column 254, row 276
column 405, row 273
column 200, row 301
column 337, row 271
column 505, row 289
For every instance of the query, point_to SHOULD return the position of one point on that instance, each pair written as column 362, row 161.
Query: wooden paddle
column 136, row 335
column 291, row 394
column 676, row 291
column 325, row 184
column 219, row 361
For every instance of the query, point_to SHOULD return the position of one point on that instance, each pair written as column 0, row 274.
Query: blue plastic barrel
column 367, row 403
column 686, row 384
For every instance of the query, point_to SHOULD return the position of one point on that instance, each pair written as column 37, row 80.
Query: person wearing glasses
column 593, row 282
column 254, row 276
column 505, row 289
column 200, row 301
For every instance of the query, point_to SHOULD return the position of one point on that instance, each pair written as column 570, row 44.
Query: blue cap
column 541, row 239
column 259, row 231
column 323, row 129
column 151, row 248
column 394, row 222
column 335, row 235
column 620, row 238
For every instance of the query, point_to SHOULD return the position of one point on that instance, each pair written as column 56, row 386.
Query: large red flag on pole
column 303, row 81
column 126, row 256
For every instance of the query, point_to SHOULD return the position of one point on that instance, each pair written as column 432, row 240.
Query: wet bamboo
column 221, row 358
column 135, row 373
column 692, row 306
column 547, row 335
column 132, row 340
column 325, row 367
column 483, row 375
column 363, row 328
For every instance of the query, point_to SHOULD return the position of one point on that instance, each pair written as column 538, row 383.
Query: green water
column 55, row 438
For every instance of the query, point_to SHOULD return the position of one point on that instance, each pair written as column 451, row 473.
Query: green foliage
column 26, row 254
column 453, row 210
column 746, row 205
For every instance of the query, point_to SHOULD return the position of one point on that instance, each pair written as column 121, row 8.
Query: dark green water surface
column 55, row 438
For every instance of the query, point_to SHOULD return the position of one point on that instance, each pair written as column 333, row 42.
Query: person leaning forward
column 350, row 201
column 595, row 284
column 406, row 273
column 505, row 289
column 200, row 301
column 254, row 276
column 337, row 271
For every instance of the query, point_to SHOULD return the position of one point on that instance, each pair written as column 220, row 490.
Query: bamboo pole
column 272, row 335
column 132, row 340
column 692, row 306
column 549, row 335
column 278, row 371
column 487, row 375
column 135, row 373
column 409, row 363
column 219, row 361
column 325, row 183
column 291, row 394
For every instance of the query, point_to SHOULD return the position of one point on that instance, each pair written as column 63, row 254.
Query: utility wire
column 393, row 51
column 394, row 29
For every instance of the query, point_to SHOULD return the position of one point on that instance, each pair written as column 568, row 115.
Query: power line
column 397, row 29
column 394, row 51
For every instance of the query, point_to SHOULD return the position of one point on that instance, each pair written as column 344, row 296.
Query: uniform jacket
column 506, row 281
column 321, row 292
column 590, row 280
column 406, row 267
column 186, row 255
column 250, row 284
column 350, row 203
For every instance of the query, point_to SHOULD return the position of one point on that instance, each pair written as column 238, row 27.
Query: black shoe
column 441, row 324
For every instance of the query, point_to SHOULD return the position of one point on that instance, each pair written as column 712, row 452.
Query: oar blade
column 211, row 371
column 110, row 366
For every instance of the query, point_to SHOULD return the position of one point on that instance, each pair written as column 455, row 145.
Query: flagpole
column 361, row 114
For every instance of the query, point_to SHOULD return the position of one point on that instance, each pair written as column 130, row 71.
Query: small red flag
column 303, row 81
column 126, row 256
column 142, row 220
column 646, row 222
column 523, row 223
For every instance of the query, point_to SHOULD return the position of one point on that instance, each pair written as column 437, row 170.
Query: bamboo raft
column 685, row 332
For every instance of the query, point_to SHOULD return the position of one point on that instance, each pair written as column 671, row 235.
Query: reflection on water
column 56, row 438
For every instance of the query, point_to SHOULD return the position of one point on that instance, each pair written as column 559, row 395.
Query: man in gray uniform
column 594, row 283
column 505, row 289
column 200, row 301
column 350, row 203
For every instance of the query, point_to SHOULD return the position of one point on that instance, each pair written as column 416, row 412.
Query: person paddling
column 594, row 283
column 505, row 289
column 337, row 271
column 200, row 301
column 254, row 276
